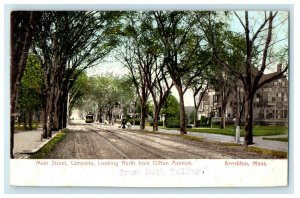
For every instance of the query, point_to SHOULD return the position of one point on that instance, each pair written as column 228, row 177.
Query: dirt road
column 95, row 141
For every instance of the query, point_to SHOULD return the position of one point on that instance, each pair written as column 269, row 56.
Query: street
column 95, row 141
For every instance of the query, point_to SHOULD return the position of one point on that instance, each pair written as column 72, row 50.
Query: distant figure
column 123, row 123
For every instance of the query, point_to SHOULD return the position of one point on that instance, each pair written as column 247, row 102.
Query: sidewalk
column 258, row 140
column 26, row 142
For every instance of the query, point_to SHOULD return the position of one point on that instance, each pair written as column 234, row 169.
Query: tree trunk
column 61, row 110
column 44, row 106
column 38, row 118
column 60, row 117
column 182, row 113
column 241, row 111
column 248, row 120
column 110, row 116
column 223, row 120
column 30, row 119
column 100, row 116
column 155, row 124
column 143, row 115
column 25, row 120
column 12, row 131
column 155, row 119
column 48, row 110
column 64, row 114
column 56, row 106
column 49, row 124
column 55, row 119
column 19, row 120
column 21, row 38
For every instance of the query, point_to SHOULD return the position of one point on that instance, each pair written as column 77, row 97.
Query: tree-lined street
column 161, row 55
column 85, row 141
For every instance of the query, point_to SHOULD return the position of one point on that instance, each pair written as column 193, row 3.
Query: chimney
column 279, row 68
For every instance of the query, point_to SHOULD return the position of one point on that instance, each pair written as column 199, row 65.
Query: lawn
column 257, row 130
column 19, row 128
column 284, row 139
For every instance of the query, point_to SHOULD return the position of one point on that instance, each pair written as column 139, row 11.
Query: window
column 216, row 98
column 285, row 113
column 273, row 99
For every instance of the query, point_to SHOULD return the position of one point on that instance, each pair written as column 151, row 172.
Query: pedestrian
column 123, row 123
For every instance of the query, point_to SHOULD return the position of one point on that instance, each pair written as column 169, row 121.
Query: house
column 270, row 106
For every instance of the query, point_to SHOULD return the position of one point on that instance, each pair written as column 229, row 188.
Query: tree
column 67, row 44
column 181, row 44
column 134, row 59
column 107, row 93
column 199, row 91
column 171, row 109
column 79, row 91
column 29, row 92
column 224, row 84
column 147, row 61
column 21, row 30
column 262, row 44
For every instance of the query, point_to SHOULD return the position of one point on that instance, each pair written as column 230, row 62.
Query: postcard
column 156, row 98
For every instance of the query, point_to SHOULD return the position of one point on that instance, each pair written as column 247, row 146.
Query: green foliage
column 173, row 124
column 79, row 90
column 21, row 127
column 159, row 123
column 204, row 121
column 191, row 116
column 104, row 92
column 149, row 109
column 50, row 146
column 284, row 139
column 171, row 108
column 29, row 100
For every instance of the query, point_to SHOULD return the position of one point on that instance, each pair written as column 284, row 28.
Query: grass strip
column 284, row 139
column 47, row 148
column 263, row 151
column 268, row 131
column 277, row 154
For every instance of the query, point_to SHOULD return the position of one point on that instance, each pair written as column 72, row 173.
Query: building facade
column 270, row 106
